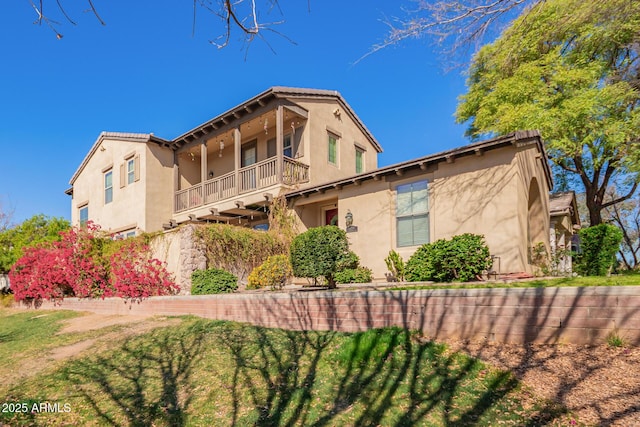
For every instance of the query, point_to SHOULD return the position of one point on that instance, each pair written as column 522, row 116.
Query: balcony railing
column 259, row 175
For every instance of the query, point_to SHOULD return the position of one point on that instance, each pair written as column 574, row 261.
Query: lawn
column 208, row 373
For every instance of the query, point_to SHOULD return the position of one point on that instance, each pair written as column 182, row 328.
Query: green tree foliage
column 599, row 245
column 569, row 68
column 320, row 251
column 35, row 230
column 460, row 259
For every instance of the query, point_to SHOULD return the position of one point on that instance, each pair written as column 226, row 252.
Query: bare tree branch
column 455, row 25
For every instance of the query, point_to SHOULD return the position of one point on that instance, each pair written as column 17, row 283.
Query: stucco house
column 309, row 145
column 565, row 222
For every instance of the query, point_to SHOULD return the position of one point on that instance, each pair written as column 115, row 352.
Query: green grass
column 214, row 373
column 614, row 280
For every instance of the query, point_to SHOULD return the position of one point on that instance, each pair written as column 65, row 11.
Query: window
column 130, row 234
column 84, row 215
column 333, row 150
column 412, row 214
column 108, row 186
column 131, row 171
column 359, row 160
column 286, row 146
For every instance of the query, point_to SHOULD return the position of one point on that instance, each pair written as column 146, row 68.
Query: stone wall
column 182, row 252
column 520, row 315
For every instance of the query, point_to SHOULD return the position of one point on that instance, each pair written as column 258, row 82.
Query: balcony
column 249, row 178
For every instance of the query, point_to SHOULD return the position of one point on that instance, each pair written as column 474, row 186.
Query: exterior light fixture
column 348, row 218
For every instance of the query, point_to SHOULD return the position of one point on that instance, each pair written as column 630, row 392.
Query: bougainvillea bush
column 84, row 264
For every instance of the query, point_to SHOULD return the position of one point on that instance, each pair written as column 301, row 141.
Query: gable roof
column 120, row 136
column 563, row 203
column 275, row 92
column 518, row 138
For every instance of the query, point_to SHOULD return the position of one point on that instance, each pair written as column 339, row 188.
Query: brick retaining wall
column 543, row 315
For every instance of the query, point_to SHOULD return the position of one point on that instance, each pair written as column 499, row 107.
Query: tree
column 456, row 25
column 242, row 15
column 626, row 216
column 321, row 251
column 32, row 231
column 572, row 70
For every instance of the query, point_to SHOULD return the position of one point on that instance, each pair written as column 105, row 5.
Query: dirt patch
column 92, row 321
column 599, row 385
column 132, row 325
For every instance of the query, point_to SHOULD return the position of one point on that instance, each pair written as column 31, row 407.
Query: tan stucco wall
column 158, row 182
column 321, row 121
column 476, row 194
column 127, row 210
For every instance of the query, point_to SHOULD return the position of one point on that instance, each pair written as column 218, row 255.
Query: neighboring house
column 309, row 145
column 565, row 221
column 226, row 169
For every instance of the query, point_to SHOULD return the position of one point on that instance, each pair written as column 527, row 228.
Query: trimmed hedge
column 354, row 275
column 213, row 281
column 460, row 259
column 320, row 251
column 275, row 272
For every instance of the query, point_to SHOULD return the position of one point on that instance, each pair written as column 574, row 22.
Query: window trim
column 413, row 215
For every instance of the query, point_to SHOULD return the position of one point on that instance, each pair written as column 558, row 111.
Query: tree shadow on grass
column 379, row 377
column 145, row 382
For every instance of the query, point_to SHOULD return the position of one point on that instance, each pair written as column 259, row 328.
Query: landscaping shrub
column 76, row 265
column 135, row 275
column 239, row 249
column 460, row 259
column 354, row 275
column 599, row 245
column 395, row 265
column 320, row 251
column 275, row 272
column 213, row 281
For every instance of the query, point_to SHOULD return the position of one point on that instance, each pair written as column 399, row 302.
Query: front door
column 249, row 154
column 331, row 217
column 248, row 157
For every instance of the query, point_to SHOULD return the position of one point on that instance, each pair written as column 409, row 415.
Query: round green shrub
column 599, row 245
column 460, row 259
column 213, row 281
column 275, row 272
column 354, row 275
column 319, row 251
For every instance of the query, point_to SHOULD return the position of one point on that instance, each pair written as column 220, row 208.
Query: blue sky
column 145, row 72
